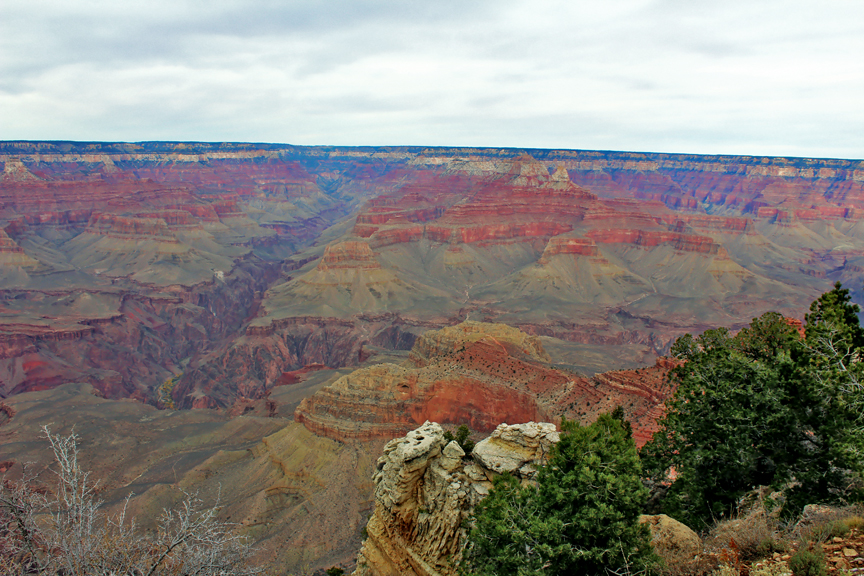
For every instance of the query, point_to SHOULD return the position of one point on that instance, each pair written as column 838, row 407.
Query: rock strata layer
column 478, row 374
column 360, row 249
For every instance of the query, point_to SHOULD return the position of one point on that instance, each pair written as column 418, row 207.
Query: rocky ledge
column 425, row 487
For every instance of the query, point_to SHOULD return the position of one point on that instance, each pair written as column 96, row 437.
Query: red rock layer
column 495, row 232
column 480, row 375
column 202, row 212
column 348, row 255
column 227, row 209
column 518, row 200
column 173, row 218
column 390, row 214
column 647, row 239
column 729, row 225
column 121, row 227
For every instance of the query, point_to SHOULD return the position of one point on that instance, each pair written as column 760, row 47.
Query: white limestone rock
column 516, row 448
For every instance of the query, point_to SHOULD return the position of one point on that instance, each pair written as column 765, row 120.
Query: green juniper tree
column 462, row 437
column 763, row 407
column 836, row 342
column 580, row 518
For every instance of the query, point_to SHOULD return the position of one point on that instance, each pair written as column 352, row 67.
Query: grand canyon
column 260, row 319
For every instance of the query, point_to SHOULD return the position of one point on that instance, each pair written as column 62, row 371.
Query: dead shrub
column 754, row 533
column 701, row 565
column 820, row 523
column 66, row 532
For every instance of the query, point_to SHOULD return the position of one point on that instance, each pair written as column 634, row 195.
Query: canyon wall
column 336, row 255
column 466, row 286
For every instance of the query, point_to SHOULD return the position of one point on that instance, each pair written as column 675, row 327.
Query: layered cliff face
column 517, row 241
column 124, row 342
column 480, row 375
column 172, row 251
column 249, row 278
column 470, row 373
column 425, row 488
column 615, row 254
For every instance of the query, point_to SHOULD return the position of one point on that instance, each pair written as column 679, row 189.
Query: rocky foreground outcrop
column 425, row 488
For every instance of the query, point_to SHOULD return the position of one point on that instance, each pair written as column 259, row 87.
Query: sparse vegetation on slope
column 462, row 437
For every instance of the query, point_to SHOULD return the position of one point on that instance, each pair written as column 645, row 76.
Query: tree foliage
column 66, row 532
column 763, row 407
column 581, row 517
column 836, row 342
column 462, row 437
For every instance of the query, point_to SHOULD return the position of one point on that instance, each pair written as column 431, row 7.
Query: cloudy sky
column 772, row 77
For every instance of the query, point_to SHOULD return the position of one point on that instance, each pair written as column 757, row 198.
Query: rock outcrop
column 425, row 488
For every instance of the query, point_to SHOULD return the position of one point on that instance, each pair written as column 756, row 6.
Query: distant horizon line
column 413, row 148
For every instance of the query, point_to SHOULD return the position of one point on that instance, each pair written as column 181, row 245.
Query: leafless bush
column 67, row 533
column 20, row 536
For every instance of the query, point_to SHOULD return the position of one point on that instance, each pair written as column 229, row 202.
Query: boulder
column 671, row 539
column 516, row 448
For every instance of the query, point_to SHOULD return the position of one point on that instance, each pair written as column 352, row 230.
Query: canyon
column 265, row 317
column 222, row 266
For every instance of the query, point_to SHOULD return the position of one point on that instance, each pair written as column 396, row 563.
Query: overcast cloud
column 774, row 77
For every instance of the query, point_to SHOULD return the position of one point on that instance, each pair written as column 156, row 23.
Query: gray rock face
column 425, row 488
column 404, row 462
